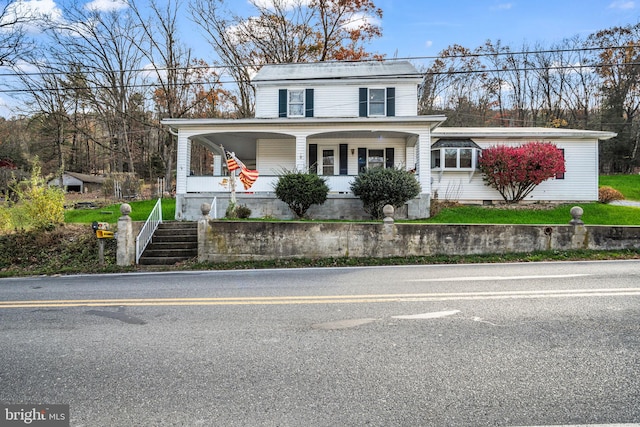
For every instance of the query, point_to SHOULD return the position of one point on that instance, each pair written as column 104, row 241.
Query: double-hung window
column 377, row 102
column 295, row 103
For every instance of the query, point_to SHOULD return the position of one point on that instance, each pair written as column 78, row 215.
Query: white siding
column 580, row 182
column 338, row 100
column 274, row 156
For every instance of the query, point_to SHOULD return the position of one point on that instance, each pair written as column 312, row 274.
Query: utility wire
column 408, row 58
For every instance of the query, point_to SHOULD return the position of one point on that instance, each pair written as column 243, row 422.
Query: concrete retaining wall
column 266, row 205
column 221, row 241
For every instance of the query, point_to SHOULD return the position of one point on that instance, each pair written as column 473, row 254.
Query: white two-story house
column 336, row 119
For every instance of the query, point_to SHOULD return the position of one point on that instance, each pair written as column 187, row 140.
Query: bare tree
column 284, row 31
column 619, row 70
column 100, row 45
column 183, row 85
column 12, row 30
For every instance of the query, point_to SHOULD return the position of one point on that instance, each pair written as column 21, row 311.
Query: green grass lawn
column 139, row 212
column 594, row 213
column 628, row 185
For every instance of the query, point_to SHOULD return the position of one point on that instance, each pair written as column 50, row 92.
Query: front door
column 328, row 161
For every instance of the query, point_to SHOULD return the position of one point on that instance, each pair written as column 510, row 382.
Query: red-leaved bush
column 516, row 171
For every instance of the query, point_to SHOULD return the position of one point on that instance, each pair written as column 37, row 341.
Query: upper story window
column 455, row 154
column 377, row 102
column 295, row 103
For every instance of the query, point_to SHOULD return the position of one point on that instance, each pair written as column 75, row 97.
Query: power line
column 225, row 82
column 407, row 58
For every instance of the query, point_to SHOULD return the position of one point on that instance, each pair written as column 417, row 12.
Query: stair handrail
column 214, row 208
column 149, row 227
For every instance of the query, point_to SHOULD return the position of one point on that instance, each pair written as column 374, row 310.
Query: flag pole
column 232, row 178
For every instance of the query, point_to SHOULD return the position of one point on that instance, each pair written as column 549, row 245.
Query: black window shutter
column 362, row 159
column 308, row 102
column 364, row 93
column 391, row 101
column 343, row 159
column 282, row 103
column 313, row 158
column 390, row 162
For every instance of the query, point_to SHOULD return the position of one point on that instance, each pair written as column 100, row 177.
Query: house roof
column 86, row 178
column 336, row 71
column 519, row 133
column 455, row 143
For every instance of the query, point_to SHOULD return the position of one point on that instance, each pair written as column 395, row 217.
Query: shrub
column 516, row 171
column 608, row 194
column 38, row 206
column 301, row 190
column 243, row 211
column 237, row 211
column 377, row 187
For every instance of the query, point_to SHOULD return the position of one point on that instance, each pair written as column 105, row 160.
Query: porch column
column 423, row 153
column 183, row 160
column 421, row 205
column 301, row 153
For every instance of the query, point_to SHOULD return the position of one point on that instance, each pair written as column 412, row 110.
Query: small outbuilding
column 78, row 182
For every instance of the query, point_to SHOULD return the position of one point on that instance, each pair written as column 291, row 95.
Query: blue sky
column 426, row 27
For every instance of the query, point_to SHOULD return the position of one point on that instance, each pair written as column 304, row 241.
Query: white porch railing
column 149, row 227
column 264, row 184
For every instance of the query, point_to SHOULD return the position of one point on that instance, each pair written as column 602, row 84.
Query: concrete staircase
column 173, row 242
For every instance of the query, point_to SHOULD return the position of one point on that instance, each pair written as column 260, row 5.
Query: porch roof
column 432, row 121
column 519, row 133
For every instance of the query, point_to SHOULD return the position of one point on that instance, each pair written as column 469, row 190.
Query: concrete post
column 126, row 241
column 203, row 226
column 580, row 238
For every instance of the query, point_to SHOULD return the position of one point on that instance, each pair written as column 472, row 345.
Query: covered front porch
column 337, row 149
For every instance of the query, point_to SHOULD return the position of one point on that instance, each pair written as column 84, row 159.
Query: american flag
column 248, row 177
column 232, row 163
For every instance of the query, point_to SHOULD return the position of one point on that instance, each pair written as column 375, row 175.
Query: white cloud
column 622, row 4
column 358, row 19
column 106, row 5
column 428, row 43
column 284, row 4
column 503, row 6
column 33, row 11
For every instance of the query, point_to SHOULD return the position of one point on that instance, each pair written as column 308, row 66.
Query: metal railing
column 213, row 213
column 149, row 227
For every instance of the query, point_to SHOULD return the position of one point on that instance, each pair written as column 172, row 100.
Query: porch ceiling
column 243, row 144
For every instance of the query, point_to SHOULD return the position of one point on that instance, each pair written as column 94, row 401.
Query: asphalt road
column 473, row 345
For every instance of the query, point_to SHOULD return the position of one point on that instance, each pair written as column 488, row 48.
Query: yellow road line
column 323, row 299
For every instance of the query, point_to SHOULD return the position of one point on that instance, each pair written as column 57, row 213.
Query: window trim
column 442, row 156
column 303, row 103
column 383, row 102
column 388, row 155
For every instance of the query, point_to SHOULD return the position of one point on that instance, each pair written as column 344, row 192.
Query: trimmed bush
column 608, row 194
column 378, row 187
column 301, row 190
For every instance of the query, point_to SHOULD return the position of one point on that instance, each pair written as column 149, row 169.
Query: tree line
column 96, row 83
